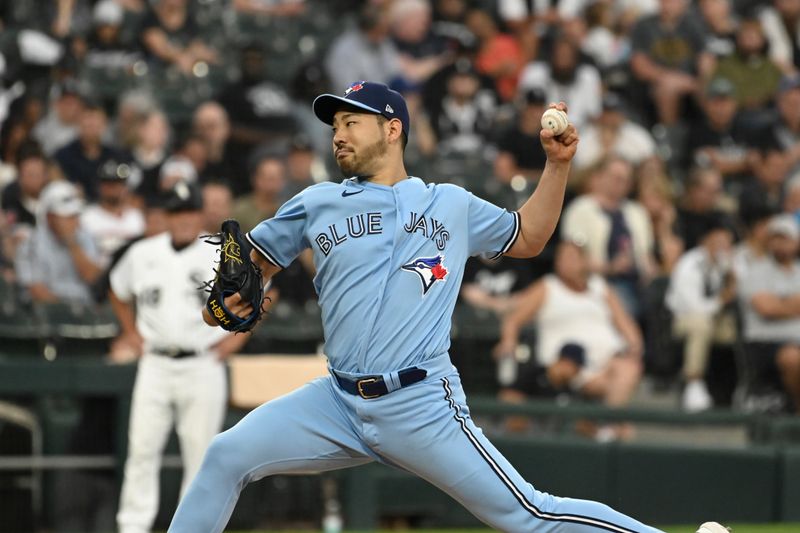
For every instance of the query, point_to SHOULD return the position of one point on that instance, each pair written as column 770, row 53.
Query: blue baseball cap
column 366, row 96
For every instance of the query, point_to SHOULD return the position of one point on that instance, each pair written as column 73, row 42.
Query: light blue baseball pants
column 424, row 428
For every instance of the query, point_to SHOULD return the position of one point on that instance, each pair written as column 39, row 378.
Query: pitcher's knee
column 224, row 453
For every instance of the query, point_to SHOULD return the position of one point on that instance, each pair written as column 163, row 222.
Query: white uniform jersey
column 165, row 284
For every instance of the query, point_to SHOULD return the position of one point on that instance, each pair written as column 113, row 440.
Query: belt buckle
column 360, row 383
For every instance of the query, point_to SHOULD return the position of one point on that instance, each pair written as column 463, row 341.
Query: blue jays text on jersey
column 389, row 263
column 356, row 226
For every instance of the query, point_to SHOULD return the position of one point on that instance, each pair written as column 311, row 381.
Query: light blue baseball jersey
column 389, row 263
column 389, row 266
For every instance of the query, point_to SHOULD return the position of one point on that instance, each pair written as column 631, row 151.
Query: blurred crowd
column 679, row 239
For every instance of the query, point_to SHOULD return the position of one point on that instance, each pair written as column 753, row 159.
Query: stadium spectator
column 499, row 54
column 436, row 87
column 268, row 181
column 717, row 139
column 563, row 77
column 106, row 50
column 520, row 154
column 421, row 51
column 573, row 306
column 606, row 41
column 753, row 247
column 495, row 285
column 615, row 230
column 613, row 133
column 260, row 110
column 449, row 21
column 273, row 8
column 769, row 296
column 211, row 124
column 112, row 221
column 81, row 159
column 132, row 108
column 781, row 23
column 669, row 57
column 59, row 126
column 20, row 198
column 755, row 77
column 176, row 168
column 170, row 36
column 464, row 122
column 59, row 261
column 719, row 24
column 785, row 130
column 771, row 167
column 700, row 289
column 365, row 52
column 655, row 193
column 217, row 205
column 302, row 166
column 149, row 151
column 701, row 202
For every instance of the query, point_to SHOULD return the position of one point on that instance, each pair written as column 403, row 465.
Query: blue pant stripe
column 530, row 507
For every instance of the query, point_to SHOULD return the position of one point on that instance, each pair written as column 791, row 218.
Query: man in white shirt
column 112, row 221
column 770, row 301
column 701, row 286
column 157, row 296
column 59, row 261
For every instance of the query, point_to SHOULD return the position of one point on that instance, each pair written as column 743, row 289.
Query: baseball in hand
column 555, row 120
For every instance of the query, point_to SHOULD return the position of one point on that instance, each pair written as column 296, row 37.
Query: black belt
column 175, row 353
column 374, row 386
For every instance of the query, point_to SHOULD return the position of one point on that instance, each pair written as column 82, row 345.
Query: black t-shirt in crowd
column 526, row 149
column 12, row 205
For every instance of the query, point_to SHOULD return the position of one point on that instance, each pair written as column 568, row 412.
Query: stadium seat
column 77, row 329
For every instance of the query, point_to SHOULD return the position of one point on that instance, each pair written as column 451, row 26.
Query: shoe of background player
column 713, row 527
column 696, row 397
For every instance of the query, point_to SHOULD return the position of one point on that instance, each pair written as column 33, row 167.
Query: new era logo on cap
column 365, row 96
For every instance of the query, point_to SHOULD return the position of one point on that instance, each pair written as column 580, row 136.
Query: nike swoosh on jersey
column 351, row 193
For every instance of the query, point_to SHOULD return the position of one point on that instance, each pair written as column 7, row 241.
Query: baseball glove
column 236, row 273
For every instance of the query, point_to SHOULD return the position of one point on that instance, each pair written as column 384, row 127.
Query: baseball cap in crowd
column 178, row 167
column 784, row 224
column 366, row 96
column 573, row 352
column 300, row 143
column 789, row 82
column 183, row 196
column 113, row 170
column 61, row 198
column 107, row 13
column 535, row 96
column 720, row 88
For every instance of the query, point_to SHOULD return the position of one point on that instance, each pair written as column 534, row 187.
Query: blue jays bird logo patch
column 354, row 88
column 429, row 269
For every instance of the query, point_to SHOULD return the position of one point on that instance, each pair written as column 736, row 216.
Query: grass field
column 735, row 528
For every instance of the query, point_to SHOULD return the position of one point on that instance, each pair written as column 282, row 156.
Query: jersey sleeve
column 281, row 238
column 492, row 230
column 121, row 277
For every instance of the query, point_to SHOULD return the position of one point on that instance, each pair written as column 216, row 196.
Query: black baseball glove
column 236, row 273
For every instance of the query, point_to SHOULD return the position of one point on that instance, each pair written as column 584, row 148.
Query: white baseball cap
column 108, row 13
column 61, row 198
column 785, row 225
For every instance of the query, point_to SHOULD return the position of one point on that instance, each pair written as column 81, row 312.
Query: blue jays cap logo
column 357, row 86
column 429, row 269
